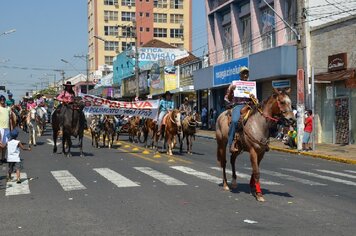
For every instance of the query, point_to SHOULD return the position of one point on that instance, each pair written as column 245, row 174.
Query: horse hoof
column 260, row 198
column 234, row 184
column 226, row 188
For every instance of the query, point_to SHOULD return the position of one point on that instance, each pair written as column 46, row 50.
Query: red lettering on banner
column 147, row 105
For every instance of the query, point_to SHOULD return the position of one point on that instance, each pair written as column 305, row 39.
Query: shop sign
column 281, row 83
column 170, row 82
column 225, row 73
column 337, row 62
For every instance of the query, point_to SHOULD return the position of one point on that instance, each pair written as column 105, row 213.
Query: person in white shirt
column 13, row 155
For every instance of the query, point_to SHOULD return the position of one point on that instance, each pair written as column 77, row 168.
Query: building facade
column 112, row 22
column 333, row 56
column 247, row 33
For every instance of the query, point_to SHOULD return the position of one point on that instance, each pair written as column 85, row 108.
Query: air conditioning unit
column 117, row 50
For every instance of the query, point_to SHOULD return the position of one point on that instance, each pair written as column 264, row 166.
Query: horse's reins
column 256, row 103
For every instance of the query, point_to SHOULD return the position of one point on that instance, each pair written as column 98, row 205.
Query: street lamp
column 8, row 32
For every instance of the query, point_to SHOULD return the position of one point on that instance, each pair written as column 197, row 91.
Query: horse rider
column 185, row 108
column 165, row 105
column 5, row 125
column 236, row 104
column 10, row 101
column 40, row 102
column 30, row 104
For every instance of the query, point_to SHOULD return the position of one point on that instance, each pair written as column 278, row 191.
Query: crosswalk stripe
column 337, row 173
column 350, row 171
column 13, row 188
column 289, row 177
column 198, row 174
column 333, row 179
column 245, row 176
column 115, row 178
column 160, row 176
column 67, row 180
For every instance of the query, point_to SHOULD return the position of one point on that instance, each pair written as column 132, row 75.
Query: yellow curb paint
column 145, row 152
column 315, row 155
column 135, row 149
column 171, row 160
column 139, row 156
column 157, row 156
column 126, row 146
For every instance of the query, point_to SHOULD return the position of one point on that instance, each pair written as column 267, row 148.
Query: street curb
column 315, row 155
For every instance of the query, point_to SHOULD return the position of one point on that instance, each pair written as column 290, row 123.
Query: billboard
column 225, row 73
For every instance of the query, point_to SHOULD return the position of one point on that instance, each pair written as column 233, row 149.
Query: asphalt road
column 123, row 191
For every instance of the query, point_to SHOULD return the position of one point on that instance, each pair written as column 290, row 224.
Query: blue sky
column 50, row 30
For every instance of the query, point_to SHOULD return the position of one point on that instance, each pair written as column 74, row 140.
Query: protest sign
column 244, row 88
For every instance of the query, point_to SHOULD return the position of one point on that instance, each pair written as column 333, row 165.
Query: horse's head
column 282, row 107
column 176, row 116
column 33, row 114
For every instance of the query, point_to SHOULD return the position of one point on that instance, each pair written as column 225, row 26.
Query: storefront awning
column 336, row 75
column 189, row 88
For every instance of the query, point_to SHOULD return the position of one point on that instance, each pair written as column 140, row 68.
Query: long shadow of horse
column 245, row 188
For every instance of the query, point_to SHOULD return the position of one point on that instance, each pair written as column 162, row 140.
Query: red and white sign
column 300, row 86
column 244, row 88
column 101, row 106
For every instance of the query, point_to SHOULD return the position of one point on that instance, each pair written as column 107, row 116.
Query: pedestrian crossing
column 282, row 176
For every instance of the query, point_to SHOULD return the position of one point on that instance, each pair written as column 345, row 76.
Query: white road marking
column 13, row 188
column 198, row 174
column 350, row 171
column 338, row 173
column 289, row 177
column 160, row 176
column 115, row 178
column 333, row 179
column 50, row 142
column 245, row 176
column 67, row 180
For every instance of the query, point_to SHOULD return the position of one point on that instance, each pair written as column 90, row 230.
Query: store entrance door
column 342, row 120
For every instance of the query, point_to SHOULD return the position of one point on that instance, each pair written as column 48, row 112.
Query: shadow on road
column 245, row 188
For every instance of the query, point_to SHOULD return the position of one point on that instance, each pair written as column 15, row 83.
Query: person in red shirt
column 308, row 129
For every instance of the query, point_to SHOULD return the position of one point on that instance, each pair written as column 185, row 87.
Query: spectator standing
column 204, row 116
column 13, row 155
column 4, row 126
column 308, row 129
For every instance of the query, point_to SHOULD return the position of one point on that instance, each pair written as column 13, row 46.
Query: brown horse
column 189, row 125
column 134, row 129
column 253, row 138
column 150, row 128
column 108, row 130
column 172, row 128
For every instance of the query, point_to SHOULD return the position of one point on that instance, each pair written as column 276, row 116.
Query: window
column 110, row 30
column 128, row 32
column 160, row 18
column 246, row 35
column 141, row 29
column 128, row 3
column 110, row 2
column 127, row 45
column 176, row 18
column 147, row 14
column 268, row 32
column 160, row 3
column 127, row 16
column 176, row 33
column 141, row 13
column 291, row 18
column 108, row 60
column 227, row 42
column 177, row 4
column 111, row 46
column 111, row 15
column 160, row 32
column 147, row 29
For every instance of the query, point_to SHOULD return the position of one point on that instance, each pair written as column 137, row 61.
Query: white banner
column 101, row 106
column 244, row 88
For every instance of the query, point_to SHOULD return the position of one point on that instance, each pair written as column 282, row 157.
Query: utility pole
column 87, row 69
column 63, row 77
column 300, row 73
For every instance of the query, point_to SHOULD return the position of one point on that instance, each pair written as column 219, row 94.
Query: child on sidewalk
column 13, row 155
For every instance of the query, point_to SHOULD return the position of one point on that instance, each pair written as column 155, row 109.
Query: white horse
column 32, row 126
column 42, row 119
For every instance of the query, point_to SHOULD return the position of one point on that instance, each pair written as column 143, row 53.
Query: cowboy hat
column 243, row 68
column 186, row 99
column 68, row 83
column 168, row 93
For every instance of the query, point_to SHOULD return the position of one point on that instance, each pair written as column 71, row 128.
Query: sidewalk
column 332, row 152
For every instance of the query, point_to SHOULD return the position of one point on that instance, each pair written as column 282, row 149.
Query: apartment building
column 113, row 25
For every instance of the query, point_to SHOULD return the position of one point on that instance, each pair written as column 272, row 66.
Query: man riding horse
column 165, row 105
column 185, row 109
column 236, row 103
